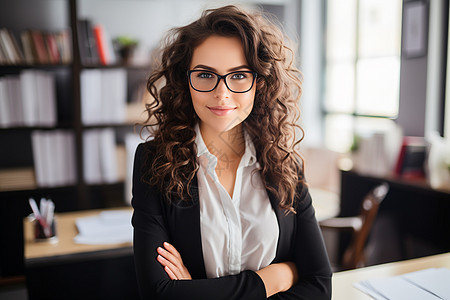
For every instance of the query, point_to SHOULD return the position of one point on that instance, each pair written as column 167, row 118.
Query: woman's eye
column 239, row 76
column 205, row 75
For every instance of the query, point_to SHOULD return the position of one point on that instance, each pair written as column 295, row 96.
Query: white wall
column 49, row 14
column 311, row 50
column 148, row 21
column 422, row 79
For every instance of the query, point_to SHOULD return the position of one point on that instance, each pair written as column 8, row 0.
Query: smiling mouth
column 221, row 110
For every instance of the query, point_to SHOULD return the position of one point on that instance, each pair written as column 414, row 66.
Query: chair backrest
column 354, row 254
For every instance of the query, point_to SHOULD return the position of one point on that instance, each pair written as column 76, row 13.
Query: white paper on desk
column 109, row 227
column 434, row 280
column 421, row 285
column 395, row 288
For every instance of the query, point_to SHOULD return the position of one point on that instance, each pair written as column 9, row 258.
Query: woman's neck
column 227, row 145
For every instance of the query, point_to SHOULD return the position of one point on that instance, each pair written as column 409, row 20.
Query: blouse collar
column 248, row 159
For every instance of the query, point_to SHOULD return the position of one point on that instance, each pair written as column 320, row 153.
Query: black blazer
column 155, row 221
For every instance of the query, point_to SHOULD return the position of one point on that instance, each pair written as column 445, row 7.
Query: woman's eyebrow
column 204, row 67
column 215, row 70
column 239, row 68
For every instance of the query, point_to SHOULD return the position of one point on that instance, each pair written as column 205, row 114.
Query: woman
column 221, row 209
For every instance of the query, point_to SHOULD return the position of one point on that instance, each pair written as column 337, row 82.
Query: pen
column 38, row 216
column 49, row 215
column 44, row 213
column 34, row 208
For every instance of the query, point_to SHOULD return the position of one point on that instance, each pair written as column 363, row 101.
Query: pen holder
column 41, row 234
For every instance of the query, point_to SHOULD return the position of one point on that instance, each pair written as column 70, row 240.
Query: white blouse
column 238, row 233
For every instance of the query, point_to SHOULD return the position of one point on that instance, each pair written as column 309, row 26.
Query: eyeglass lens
column 206, row 81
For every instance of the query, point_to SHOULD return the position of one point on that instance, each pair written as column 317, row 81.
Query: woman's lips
column 221, row 110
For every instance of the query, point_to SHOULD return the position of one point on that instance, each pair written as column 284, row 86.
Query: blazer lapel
column 186, row 233
column 286, row 229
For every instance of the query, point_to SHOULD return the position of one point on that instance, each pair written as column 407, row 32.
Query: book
column 5, row 116
column 38, row 97
column 54, row 157
column 64, row 42
column 91, row 157
column 58, row 158
column 113, row 95
column 100, row 156
column 28, row 99
column 49, row 153
column 52, row 48
column 17, row 50
column 108, row 163
column 3, row 57
column 39, row 46
column 87, row 43
column 28, row 47
column 103, row 96
column 411, row 157
column 46, row 92
column 28, row 84
column 15, row 100
column 105, row 49
column 8, row 47
column 70, row 159
column 91, row 106
column 92, row 43
column 39, row 158
column 46, row 47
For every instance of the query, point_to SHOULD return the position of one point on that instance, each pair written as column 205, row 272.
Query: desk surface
column 66, row 231
column 343, row 281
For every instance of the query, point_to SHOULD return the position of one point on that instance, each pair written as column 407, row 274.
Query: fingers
column 170, row 258
column 170, row 253
column 169, row 272
column 172, row 250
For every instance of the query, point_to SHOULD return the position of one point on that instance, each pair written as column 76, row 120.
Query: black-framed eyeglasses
column 206, row 81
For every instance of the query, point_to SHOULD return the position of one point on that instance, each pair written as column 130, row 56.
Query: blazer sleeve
column 309, row 255
column 151, row 230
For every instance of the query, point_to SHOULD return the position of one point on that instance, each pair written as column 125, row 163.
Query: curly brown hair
column 272, row 124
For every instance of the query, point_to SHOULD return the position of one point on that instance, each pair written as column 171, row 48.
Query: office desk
column 418, row 214
column 69, row 270
column 343, row 281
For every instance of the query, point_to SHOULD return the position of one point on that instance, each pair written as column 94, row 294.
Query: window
column 363, row 42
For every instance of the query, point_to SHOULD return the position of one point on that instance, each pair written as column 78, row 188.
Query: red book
column 52, row 48
column 39, row 45
column 411, row 158
column 101, row 44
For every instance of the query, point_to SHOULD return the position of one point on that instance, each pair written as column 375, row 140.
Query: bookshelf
column 70, row 97
column 62, row 135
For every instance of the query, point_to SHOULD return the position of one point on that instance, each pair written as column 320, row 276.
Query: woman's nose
column 221, row 91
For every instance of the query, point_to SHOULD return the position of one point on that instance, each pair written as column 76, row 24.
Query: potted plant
column 125, row 46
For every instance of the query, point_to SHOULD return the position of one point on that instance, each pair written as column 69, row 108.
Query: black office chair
column 359, row 225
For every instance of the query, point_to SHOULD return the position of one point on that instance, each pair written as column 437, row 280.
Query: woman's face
column 220, row 110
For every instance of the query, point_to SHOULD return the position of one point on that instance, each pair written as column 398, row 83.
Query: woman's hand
column 171, row 260
column 278, row 277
